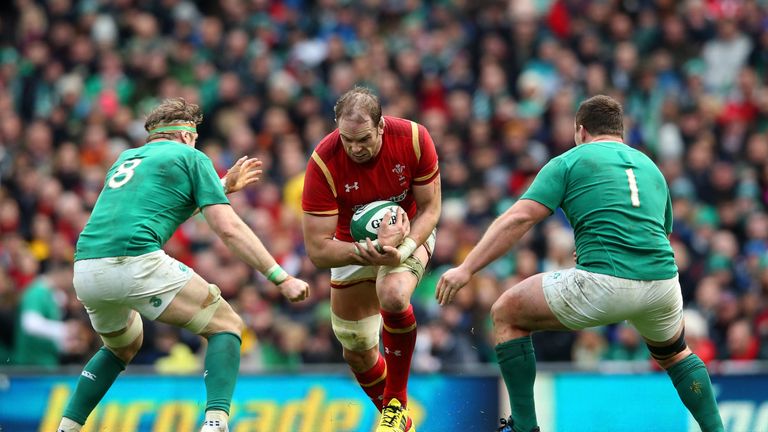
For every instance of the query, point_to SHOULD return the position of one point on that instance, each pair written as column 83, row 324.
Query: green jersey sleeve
column 668, row 218
column 548, row 188
column 206, row 185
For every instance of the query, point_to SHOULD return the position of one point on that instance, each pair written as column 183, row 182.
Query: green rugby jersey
column 618, row 203
column 148, row 193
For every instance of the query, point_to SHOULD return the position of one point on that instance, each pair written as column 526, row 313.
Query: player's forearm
column 423, row 224
column 500, row 237
column 247, row 246
column 329, row 253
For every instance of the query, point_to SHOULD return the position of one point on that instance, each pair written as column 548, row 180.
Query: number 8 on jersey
column 124, row 173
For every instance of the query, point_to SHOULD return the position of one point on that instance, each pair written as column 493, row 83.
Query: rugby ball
column 367, row 219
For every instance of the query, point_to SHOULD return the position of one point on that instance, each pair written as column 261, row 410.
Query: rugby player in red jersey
column 371, row 157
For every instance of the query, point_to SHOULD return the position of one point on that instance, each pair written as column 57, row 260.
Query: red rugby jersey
column 334, row 184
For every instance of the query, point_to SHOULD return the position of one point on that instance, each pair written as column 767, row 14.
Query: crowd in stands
column 496, row 83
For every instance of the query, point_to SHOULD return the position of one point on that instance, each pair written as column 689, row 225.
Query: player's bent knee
column 234, row 322
column 203, row 317
column 358, row 336
column 501, row 311
column 225, row 320
column 394, row 300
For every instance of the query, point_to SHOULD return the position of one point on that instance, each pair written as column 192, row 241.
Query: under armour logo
column 88, row 375
column 205, row 374
column 349, row 187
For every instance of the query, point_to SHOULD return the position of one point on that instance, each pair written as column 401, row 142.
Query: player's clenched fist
column 294, row 289
column 450, row 283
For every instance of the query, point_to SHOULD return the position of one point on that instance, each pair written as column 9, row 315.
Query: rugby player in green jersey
column 121, row 272
column 618, row 203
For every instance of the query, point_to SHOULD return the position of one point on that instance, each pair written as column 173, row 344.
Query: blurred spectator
column 742, row 343
column 627, row 345
column 41, row 332
column 589, row 348
column 697, row 336
column 497, row 86
column 178, row 357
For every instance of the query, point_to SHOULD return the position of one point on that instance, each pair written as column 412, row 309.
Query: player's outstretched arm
column 503, row 233
column 245, row 244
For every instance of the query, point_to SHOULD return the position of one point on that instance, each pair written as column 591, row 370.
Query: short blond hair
column 172, row 111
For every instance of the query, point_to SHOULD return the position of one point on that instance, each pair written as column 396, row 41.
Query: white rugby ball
column 368, row 218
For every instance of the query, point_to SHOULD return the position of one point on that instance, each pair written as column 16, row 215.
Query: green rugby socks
column 222, row 363
column 518, row 368
column 692, row 382
column 97, row 377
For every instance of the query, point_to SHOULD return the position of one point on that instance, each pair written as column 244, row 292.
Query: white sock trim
column 69, row 425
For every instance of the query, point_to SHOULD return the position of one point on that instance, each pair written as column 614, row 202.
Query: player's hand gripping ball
column 367, row 219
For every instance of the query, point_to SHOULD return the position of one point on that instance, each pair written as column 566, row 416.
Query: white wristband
column 223, row 181
column 407, row 248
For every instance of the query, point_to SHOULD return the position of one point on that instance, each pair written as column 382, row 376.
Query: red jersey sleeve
column 319, row 195
column 427, row 168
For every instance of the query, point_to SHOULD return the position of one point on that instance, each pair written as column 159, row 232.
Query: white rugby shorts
column 581, row 299
column 110, row 288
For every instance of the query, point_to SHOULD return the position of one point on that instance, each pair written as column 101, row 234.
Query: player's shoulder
column 404, row 136
column 396, row 126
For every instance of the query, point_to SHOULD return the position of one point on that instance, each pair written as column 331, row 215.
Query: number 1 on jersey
column 125, row 172
column 634, row 195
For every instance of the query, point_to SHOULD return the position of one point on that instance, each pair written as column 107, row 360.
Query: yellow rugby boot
column 394, row 418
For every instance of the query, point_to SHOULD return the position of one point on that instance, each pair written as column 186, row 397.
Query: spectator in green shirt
column 41, row 334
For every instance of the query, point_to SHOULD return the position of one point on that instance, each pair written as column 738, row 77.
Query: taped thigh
column 133, row 331
column 358, row 336
column 201, row 319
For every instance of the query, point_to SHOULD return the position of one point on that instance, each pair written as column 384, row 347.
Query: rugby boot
column 214, row 425
column 394, row 418
column 506, row 426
